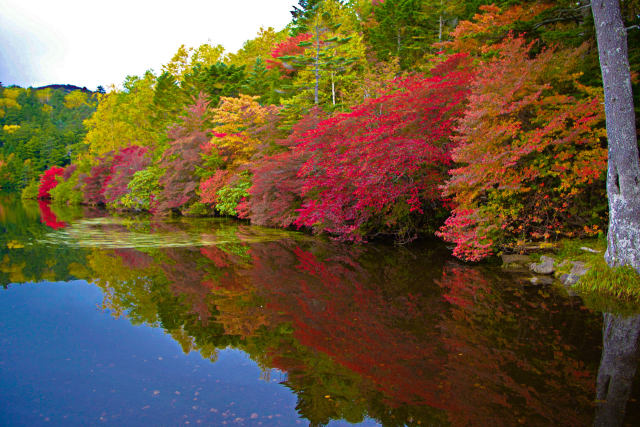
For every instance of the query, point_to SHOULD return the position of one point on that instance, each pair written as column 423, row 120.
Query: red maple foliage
column 289, row 47
column 48, row 181
column 276, row 193
column 387, row 158
column 126, row 162
column 209, row 187
column 530, row 153
column 68, row 171
column 97, row 180
column 181, row 160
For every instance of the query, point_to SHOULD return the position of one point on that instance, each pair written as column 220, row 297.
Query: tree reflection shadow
column 402, row 335
column 620, row 356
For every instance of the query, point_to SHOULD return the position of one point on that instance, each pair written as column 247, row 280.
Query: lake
column 135, row 320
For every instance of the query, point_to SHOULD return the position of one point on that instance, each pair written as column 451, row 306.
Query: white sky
column 90, row 42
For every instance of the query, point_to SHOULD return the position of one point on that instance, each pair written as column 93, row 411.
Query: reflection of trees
column 22, row 259
column 365, row 332
column 508, row 369
column 493, row 357
column 49, row 218
column 620, row 355
column 162, row 288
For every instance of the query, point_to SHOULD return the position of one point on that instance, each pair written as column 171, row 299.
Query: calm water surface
column 138, row 321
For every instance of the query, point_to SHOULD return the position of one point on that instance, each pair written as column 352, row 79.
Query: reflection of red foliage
column 134, row 259
column 218, row 257
column 492, row 357
column 47, row 216
column 505, row 370
column 479, row 353
column 185, row 278
column 48, row 181
column 355, row 324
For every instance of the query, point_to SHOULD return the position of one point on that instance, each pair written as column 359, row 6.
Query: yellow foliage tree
column 186, row 58
column 240, row 121
column 259, row 47
column 123, row 118
column 75, row 99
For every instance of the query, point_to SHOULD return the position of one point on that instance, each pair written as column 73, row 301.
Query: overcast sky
column 90, row 43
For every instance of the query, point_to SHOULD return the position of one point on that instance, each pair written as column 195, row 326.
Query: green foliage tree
column 40, row 128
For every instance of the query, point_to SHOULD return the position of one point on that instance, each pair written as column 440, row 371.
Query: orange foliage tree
column 531, row 153
column 243, row 132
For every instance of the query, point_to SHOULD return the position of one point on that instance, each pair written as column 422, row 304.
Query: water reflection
column 620, row 355
column 48, row 217
column 405, row 336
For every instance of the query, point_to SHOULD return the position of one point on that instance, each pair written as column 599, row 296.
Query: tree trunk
column 317, row 66
column 333, row 90
column 440, row 22
column 623, row 175
column 620, row 355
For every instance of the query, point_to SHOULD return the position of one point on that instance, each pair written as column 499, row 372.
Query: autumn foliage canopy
column 386, row 159
column 489, row 136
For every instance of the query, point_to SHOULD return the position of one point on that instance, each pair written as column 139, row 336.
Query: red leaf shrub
column 531, row 154
column 210, row 186
column 372, row 168
column 276, row 193
column 182, row 159
column 126, row 162
column 95, row 183
column 48, row 181
column 68, row 171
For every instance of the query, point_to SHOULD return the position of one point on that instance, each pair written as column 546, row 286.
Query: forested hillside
column 40, row 128
column 483, row 124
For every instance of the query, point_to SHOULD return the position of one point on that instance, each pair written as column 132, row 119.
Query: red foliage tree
column 289, row 47
column 126, row 162
column 95, row 183
column 48, row 181
column 182, row 159
column 276, row 192
column 530, row 153
column 387, row 158
column 68, row 171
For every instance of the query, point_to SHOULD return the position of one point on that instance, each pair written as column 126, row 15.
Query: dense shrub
column 531, row 154
column 48, row 181
column 379, row 167
column 126, row 162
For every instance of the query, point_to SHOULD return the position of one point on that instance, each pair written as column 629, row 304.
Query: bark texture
column 620, row 355
column 623, row 175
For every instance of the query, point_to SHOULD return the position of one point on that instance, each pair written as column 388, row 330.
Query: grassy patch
column 620, row 282
column 601, row 281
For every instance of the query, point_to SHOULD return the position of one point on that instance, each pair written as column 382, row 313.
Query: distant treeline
column 40, row 128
